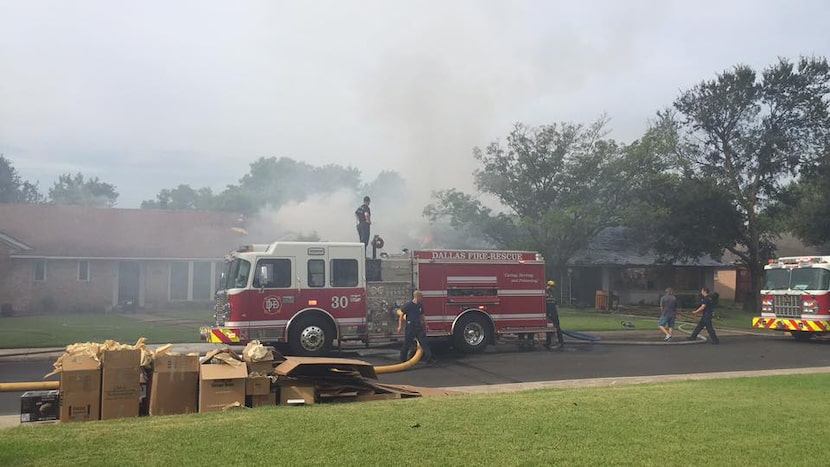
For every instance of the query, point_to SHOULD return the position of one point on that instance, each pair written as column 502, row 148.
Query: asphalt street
column 507, row 364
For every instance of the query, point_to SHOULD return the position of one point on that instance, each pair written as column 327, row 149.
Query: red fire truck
column 311, row 294
column 796, row 296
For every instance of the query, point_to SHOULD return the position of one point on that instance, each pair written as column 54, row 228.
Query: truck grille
column 787, row 306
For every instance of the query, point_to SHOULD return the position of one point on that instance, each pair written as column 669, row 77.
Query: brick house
column 613, row 264
column 71, row 258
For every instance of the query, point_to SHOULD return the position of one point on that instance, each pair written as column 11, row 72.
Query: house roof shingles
column 611, row 247
column 83, row 232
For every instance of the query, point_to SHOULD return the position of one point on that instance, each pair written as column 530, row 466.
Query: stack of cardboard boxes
column 113, row 382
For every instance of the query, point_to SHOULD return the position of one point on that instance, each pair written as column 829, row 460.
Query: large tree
column 673, row 211
column 79, row 191
column 560, row 185
column 750, row 136
column 805, row 207
column 13, row 189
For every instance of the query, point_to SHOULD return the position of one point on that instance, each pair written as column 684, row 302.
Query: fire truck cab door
column 275, row 282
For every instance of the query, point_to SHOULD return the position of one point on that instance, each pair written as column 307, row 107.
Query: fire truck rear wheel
column 310, row 336
column 472, row 333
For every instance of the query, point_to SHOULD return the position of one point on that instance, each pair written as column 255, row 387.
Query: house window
column 316, row 273
column 201, row 280
column 83, row 271
column 40, row 270
column 179, row 280
column 344, row 273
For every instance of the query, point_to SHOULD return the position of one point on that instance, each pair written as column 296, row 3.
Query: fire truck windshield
column 798, row 279
column 236, row 274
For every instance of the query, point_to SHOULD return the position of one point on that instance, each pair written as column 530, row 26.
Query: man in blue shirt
column 707, row 307
column 413, row 313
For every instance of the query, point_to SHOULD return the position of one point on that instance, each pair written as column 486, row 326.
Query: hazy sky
column 150, row 94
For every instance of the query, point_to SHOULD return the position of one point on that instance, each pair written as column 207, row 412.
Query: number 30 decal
column 340, row 302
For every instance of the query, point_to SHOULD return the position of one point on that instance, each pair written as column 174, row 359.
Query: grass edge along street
column 648, row 424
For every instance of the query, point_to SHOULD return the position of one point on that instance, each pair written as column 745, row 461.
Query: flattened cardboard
column 221, row 385
column 120, row 383
column 175, row 385
column 80, row 389
column 257, row 385
column 315, row 367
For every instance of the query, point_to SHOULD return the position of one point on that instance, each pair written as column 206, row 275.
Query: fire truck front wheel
column 311, row 336
column 472, row 333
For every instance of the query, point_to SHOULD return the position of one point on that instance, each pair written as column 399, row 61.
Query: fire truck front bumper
column 791, row 324
column 223, row 336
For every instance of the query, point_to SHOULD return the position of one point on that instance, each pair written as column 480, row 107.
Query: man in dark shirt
column 363, row 216
column 413, row 313
column 668, row 309
column 707, row 307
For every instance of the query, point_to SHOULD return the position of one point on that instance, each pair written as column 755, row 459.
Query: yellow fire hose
column 29, row 386
column 402, row 366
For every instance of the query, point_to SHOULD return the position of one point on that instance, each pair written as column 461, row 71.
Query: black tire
column 472, row 333
column 311, row 336
column 802, row 336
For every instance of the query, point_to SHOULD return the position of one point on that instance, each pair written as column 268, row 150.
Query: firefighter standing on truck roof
column 363, row 216
column 552, row 312
column 413, row 313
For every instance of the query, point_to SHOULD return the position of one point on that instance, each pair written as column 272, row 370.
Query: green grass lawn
column 717, row 422
column 177, row 326
column 60, row 330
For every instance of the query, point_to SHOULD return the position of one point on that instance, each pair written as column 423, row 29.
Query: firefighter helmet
column 551, row 283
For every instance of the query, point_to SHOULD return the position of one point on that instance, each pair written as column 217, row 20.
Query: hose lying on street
column 419, row 352
column 581, row 336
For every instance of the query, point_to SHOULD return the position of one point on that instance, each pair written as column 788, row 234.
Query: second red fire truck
column 311, row 294
column 796, row 296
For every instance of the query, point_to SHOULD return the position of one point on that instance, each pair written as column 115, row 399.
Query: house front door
column 129, row 285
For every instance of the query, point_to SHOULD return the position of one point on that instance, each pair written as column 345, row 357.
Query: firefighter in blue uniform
column 552, row 312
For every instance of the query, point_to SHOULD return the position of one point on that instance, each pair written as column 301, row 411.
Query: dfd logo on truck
column 271, row 305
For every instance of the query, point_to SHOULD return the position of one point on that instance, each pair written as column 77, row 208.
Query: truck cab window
column 236, row 274
column 344, row 273
column 316, row 273
column 277, row 273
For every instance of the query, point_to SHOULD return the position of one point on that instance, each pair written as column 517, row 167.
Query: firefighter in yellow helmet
column 552, row 313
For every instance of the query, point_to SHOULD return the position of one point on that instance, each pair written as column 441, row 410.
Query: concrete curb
column 630, row 380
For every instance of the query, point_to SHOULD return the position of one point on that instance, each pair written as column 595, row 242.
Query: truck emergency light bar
column 800, row 260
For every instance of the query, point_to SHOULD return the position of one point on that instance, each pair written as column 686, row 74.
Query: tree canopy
column 559, row 183
column 79, row 191
column 13, row 189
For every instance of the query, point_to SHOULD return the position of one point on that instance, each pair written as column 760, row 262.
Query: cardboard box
column 221, row 385
column 39, row 406
column 80, row 393
column 264, row 400
column 261, row 368
column 120, row 383
column 257, row 385
column 296, row 392
column 174, row 388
